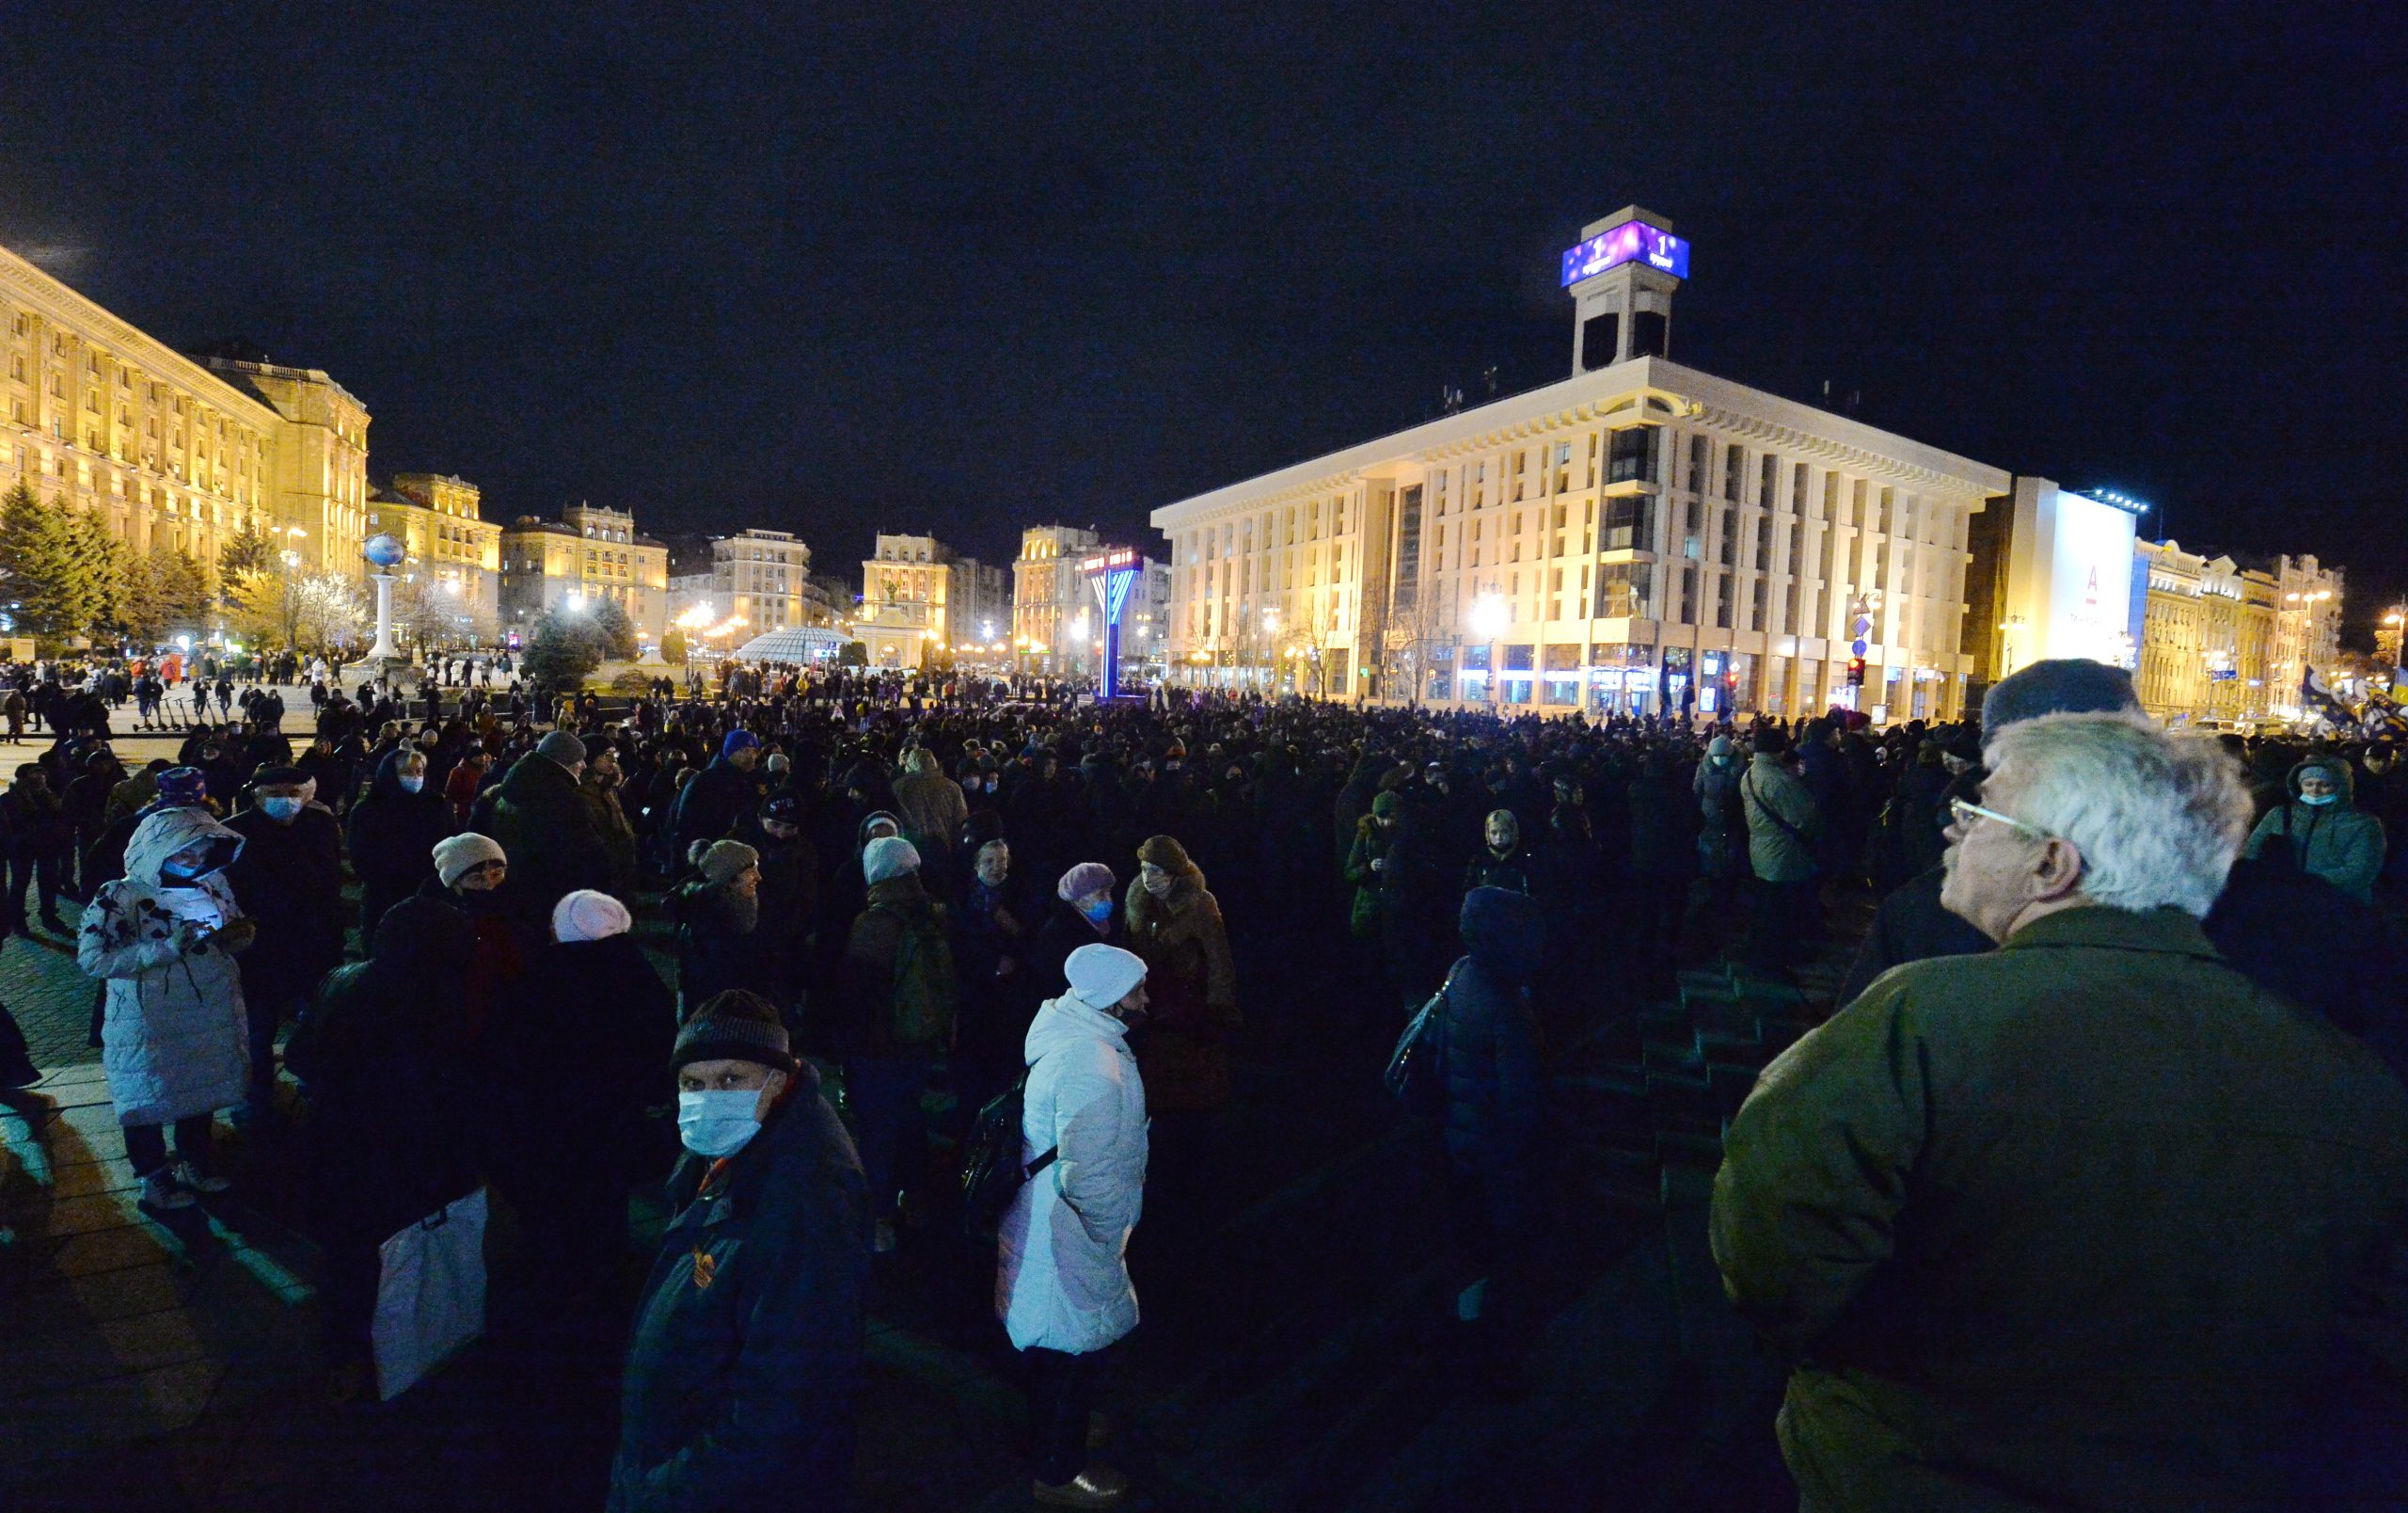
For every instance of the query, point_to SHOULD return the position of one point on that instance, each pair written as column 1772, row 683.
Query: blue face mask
column 410, row 782
column 1098, row 912
column 281, row 808
column 719, row 1121
column 2320, row 800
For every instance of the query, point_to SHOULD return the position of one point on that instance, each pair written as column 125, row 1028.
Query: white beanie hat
column 456, row 854
column 888, row 857
column 1102, row 976
column 587, row 914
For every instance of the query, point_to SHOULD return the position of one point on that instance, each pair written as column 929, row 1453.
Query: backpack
column 992, row 1172
column 922, row 1012
column 1417, row 1073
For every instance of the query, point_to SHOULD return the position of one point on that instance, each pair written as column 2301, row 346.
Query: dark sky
column 829, row 268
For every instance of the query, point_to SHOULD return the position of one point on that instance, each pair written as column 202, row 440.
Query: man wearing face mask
column 2320, row 833
column 289, row 878
column 742, row 1376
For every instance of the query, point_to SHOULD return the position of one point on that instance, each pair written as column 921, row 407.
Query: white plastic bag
column 431, row 1297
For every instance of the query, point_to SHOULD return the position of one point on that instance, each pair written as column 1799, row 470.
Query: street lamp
column 1488, row 622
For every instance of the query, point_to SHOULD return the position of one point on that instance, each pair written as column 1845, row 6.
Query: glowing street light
column 1488, row 619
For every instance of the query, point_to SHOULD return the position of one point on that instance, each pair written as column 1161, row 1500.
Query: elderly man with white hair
column 2086, row 1221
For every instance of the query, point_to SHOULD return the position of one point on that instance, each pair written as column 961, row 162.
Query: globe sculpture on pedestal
column 385, row 552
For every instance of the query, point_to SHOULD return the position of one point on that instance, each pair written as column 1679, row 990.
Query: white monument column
column 382, row 651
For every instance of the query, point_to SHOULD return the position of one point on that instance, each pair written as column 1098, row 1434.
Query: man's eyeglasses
column 1966, row 814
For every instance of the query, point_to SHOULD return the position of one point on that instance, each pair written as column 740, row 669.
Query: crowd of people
column 875, row 898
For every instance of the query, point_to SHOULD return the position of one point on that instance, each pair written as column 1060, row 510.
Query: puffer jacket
column 1494, row 1089
column 1723, row 830
column 1062, row 1278
column 172, row 1036
column 2336, row 841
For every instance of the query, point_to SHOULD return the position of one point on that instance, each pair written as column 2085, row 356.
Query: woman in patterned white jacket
column 172, row 1035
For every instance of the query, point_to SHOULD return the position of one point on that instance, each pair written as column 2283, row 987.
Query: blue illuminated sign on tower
column 1631, row 242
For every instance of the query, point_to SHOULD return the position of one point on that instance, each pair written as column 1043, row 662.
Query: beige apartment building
column 922, row 602
column 452, row 547
column 589, row 554
column 1640, row 538
column 1048, row 586
column 173, row 450
column 2206, row 633
column 2308, row 629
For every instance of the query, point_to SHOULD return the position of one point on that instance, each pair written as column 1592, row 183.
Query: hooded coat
column 547, row 830
column 172, row 1039
column 392, row 839
column 1062, row 1279
column 2336, row 841
column 1494, row 1087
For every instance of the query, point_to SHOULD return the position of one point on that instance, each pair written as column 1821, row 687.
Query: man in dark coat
column 2090, row 1221
column 727, row 788
column 547, row 830
column 746, row 1359
column 289, row 877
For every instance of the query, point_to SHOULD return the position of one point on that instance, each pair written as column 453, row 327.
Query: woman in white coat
column 172, row 1032
column 1062, row 1285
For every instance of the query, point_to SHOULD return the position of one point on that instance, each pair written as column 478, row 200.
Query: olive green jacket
column 2070, row 1225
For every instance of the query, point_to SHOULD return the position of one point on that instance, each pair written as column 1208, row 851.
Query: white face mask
column 411, row 782
column 719, row 1121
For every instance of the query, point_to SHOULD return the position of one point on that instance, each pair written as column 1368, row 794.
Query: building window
column 1631, row 455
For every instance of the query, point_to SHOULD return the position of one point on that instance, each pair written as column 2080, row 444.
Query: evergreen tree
column 166, row 591
column 616, row 631
column 673, row 648
column 44, row 585
column 247, row 551
column 561, row 653
column 106, row 567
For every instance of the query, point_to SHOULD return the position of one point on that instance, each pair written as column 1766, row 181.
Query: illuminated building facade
column 174, row 451
column 588, row 553
column 1640, row 538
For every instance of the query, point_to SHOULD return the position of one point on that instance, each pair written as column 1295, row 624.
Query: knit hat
column 733, row 1026
column 1167, row 853
column 1386, row 804
column 888, row 857
column 561, row 747
column 2061, row 685
column 456, row 855
column 586, row 915
column 183, row 786
column 1084, row 879
column 738, row 741
column 1102, row 976
column 722, row 862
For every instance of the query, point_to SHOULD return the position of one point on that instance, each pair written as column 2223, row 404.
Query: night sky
column 971, row 268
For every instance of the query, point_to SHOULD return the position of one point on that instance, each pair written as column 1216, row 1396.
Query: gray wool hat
column 2061, row 685
column 561, row 747
column 733, row 1026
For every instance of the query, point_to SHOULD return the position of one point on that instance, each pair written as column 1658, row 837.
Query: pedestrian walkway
column 120, row 1327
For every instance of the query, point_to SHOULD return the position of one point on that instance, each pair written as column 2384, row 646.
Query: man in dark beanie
column 547, row 830
column 742, row 1376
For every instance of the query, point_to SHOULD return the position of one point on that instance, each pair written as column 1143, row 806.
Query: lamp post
column 1488, row 624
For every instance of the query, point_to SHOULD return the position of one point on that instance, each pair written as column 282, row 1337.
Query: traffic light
column 1855, row 672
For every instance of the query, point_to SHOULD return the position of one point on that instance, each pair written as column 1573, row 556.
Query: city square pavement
column 172, row 1366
